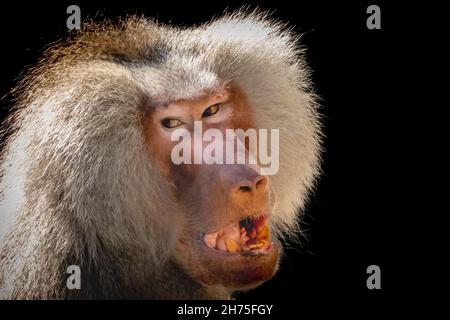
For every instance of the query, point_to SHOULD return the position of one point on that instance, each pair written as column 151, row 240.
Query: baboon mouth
column 241, row 255
column 251, row 234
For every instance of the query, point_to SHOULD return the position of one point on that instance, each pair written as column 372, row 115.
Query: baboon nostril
column 245, row 188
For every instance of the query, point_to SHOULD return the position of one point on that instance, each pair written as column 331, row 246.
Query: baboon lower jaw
column 237, row 264
column 241, row 270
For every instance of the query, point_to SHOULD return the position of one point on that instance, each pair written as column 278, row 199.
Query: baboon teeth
column 246, row 235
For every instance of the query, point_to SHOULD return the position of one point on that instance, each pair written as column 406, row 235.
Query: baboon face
column 226, row 239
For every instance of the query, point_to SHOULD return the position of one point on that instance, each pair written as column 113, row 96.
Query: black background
column 352, row 221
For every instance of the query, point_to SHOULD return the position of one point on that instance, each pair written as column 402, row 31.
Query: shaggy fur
column 77, row 184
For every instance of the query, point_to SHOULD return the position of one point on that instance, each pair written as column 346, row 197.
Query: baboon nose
column 257, row 183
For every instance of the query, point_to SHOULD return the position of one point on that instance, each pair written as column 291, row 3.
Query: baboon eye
column 210, row 111
column 171, row 123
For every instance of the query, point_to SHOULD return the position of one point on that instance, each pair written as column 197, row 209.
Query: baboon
column 86, row 171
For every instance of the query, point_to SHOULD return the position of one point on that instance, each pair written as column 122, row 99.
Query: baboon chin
column 116, row 160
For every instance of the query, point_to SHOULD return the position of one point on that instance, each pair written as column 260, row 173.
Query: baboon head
column 91, row 170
